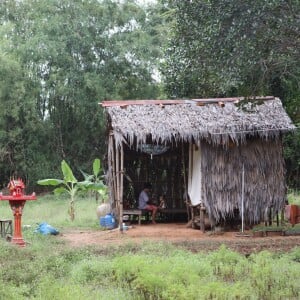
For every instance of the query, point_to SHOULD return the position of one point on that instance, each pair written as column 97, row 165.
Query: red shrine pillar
column 17, row 200
column 17, row 208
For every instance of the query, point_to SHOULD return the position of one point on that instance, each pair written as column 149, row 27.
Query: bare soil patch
column 179, row 234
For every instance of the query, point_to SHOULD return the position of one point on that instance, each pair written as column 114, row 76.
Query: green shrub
column 92, row 270
column 270, row 276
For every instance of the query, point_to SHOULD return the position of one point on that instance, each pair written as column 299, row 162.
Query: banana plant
column 69, row 184
column 95, row 181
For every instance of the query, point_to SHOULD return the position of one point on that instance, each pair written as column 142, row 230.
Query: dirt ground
column 179, row 234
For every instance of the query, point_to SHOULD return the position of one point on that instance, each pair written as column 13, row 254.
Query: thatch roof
column 218, row 121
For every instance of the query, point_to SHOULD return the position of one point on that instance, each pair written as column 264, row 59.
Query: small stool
column 5, row 227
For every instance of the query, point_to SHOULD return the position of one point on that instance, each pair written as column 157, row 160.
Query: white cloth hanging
column 194, row 179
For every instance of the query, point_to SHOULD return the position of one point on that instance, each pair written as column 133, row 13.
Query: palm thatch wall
column 264, row 179
column 231, row 132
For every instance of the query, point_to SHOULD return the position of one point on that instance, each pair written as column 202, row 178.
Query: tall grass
column 48, row 269
column 54, row 210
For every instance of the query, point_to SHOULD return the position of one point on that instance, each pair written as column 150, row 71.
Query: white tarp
column 194, row 180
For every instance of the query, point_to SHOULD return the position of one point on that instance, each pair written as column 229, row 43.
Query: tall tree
column 225, row 46
column 73, row 55
column 18, row 118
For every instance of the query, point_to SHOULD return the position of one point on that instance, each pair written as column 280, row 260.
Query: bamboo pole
column 121, row 188
column 243, row 188
column 185, row 183
column 111, row 167
column 118, row 181
column 114, row 174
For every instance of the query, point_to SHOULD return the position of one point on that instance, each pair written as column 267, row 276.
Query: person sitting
column 162, row 202
column 144, row 201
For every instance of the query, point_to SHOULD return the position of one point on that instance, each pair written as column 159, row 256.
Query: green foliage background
column 60, row 58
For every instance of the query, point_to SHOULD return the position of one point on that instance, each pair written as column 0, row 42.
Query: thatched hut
column 225, row 153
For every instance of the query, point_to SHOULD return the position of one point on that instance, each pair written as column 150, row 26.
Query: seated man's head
column 147, row 186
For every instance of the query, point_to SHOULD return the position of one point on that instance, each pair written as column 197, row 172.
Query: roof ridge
column 124, row 103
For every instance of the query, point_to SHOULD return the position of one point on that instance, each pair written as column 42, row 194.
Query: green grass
column 294, row 197
column 48, row 269
column 146, row 271
column 54, row 210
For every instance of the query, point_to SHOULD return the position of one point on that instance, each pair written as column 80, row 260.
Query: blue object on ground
column 108, row 221
column 45, row 228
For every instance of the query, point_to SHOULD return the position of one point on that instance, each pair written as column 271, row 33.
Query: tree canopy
column 232, row 47
column 67, row 57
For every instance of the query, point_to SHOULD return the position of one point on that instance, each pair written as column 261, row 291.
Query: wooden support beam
column 202, row 222
column 121, row 187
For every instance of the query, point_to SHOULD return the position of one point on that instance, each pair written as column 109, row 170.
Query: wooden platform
column 169, row 212
column 134, row 212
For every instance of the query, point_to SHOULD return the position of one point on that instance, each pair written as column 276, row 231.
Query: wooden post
column 114, row 173
column 185, row 183
column 117, row 181
column 193, row 217
column 121, row 188
column 270, row 216
column 282, row 217
column 202, row 223
column 111, row 168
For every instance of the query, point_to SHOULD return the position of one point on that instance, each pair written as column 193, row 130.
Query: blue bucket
column 108, row 221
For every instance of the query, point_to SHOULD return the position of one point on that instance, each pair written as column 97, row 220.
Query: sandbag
column 103, row 209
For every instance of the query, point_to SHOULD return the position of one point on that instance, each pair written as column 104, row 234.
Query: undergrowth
column 147, row 271
column 48, row 269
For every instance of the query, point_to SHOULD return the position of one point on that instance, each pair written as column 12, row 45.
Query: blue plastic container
column 108, row 221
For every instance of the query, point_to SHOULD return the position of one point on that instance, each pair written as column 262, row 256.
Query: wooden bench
column 5, row 227
column 171, row 212
column 134, row 212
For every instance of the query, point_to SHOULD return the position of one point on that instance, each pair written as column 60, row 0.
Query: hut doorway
column 165, row 170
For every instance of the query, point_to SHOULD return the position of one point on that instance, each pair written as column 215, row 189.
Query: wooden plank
column 173, row 211
column 133, row 212
column 124, row 103
column 232, row 99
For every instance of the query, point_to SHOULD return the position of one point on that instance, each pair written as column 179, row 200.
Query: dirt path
column 192, row 239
